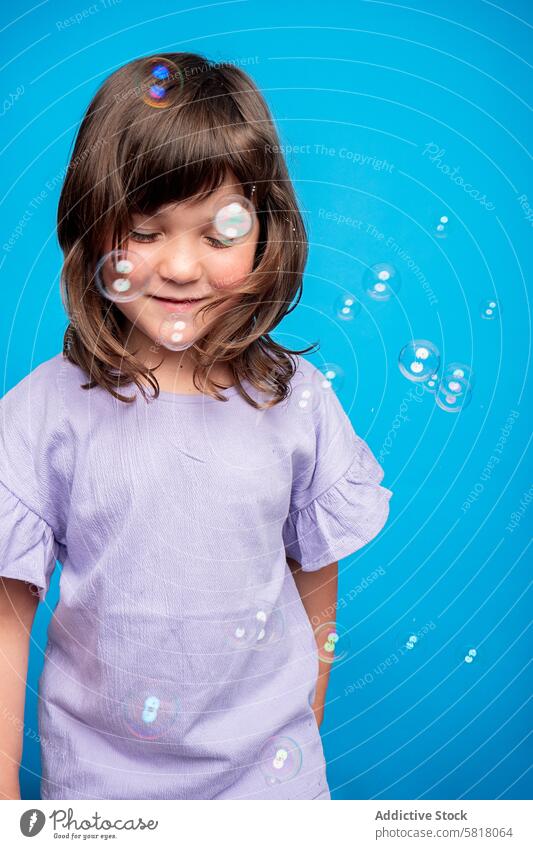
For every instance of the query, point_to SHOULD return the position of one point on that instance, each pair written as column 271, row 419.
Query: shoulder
column 305, row 370
column 33, row 395
column 313, row 394
column 35, row 446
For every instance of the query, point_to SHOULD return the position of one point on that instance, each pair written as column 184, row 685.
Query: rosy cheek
column 223, row 282
column 232, row 271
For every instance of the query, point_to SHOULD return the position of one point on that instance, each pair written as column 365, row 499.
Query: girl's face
column 185, row 257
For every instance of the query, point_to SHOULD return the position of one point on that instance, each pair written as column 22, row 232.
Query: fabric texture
column 180, row 662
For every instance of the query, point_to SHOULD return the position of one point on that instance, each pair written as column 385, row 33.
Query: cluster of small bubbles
column 419, row 360
column 411, row 642
column 150, row 710
column 260, row 626
column 472, row 653
column 333, row 642
column 455, row 388
column 330, row 376
column 441, row 229
column 280, row 759
column 173, row 332
column 347, row 306
column 234, row 218
column 490, row 309
column 157, row 77
column 381, row 281
column 122, row 276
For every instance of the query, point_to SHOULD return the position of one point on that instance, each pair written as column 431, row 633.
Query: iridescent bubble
column 257, row 627
column 333, row 642
column 330, row 376
column 280, row 759
column 381, row 281
column 150, row 709
column 158, row 77
column 175, row 332
column 269, row 625
column 419, row 360
column 469, row 657
column 490, row 309
column 122, row 276
column 459, row 372
column 234, row 218
column 307, row 396
column 455, row 389
column 241, row 631
column 442, row 226
column 347, row 306
column 411, row 642
column 453, row 402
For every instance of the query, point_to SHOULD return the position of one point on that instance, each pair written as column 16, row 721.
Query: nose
column 178, row 261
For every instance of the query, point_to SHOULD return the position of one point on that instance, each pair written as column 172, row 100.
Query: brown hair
column 129, row 157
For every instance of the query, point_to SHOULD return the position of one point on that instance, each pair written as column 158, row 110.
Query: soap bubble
column 333, row 642
column 157, row 77
column 175, row 331
column 259, row 626
column 469, row 657
column 459, row 372
column 442, row 227
column 381, row 281
column 330, row 376
column 269, row 625
column 419, row 360
column 455, row 389
column 347, row 306
column 280, row 759
column 490, row 309
column 150, row 709
column 234, row 218
column 432, row 383
column 122, row 276
column 307, row 395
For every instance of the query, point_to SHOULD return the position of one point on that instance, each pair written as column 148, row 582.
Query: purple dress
column 180, row 662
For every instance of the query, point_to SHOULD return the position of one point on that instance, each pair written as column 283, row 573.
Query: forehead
column 200, row 207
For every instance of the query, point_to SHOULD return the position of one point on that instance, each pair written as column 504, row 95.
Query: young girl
column 197, row 481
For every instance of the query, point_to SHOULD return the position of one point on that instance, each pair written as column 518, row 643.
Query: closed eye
column 217, row 243
column 150, row 237
column 142, row 237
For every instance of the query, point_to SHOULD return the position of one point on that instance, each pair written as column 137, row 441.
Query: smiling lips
column 177, row 306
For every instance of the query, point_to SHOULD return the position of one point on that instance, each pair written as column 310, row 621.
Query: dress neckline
column 193, row 398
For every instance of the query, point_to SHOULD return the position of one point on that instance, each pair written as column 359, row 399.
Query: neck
column 173, row 369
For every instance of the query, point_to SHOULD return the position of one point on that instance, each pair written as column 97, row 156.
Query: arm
column 318, row 591
column 17, row 610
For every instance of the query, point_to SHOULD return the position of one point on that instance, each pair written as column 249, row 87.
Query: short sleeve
column 28, row 548
column 33, row 479
column 337, row 503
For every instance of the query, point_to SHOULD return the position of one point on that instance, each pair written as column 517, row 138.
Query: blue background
column 378, row 80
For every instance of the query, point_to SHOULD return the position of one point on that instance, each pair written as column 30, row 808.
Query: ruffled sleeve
column 337, row 504
column 28, row 549
column 35, row 463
